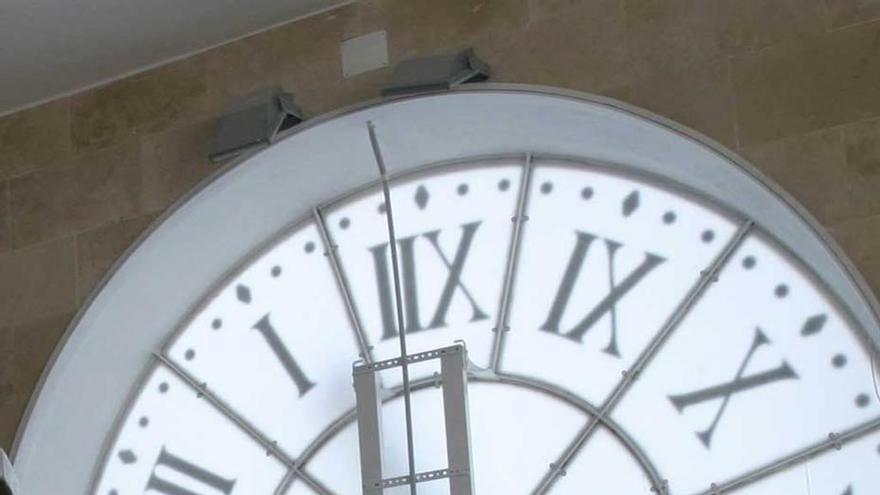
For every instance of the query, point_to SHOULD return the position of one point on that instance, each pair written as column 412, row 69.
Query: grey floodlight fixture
column 254, row 122
column 437, row 72
column 8, row 481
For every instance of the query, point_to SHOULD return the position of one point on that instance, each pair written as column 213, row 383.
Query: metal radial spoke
column 519, row 218
column 285, row 482
column 330, row 251
column 834, row 441
column 707, row 277
column 558, row 393
column 270, row 446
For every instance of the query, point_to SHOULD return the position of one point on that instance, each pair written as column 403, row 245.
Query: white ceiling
column 54, row 47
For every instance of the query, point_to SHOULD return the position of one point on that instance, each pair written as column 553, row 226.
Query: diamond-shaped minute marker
column 422, row 197
column 127, row 456
column 814, row 325
column 630, row 203
column 243, row 294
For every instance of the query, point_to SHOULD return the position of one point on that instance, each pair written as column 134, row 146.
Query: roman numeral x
column 740, row 383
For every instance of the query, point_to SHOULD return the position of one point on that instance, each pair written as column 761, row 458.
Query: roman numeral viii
column 451, row 285
column 194, row 475
column 619, row 287
column 296, row 374
column 741, row 383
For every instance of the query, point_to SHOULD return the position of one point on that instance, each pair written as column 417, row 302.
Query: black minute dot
column 144, row 421
column 309, row 247
column 669, row 217
column 749, row 262
column 112, row 492
column 707, row 236
column 862, row 400
column 838, row 361
column 216, row 324
column 163, row 387
column 276, row 271
column 587, row 193
column 344, row 223
column 781, row 291
column 462, row 189
column 503, row 185
column 547, row 187
column 381, row 208
column 189, row 354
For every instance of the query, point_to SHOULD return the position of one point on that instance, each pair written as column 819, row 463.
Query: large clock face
column 626, row 336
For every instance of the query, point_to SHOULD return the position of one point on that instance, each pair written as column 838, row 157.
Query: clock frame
column 250, row 204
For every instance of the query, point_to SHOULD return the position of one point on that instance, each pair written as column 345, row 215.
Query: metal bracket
column 437, row 73
column 453, row 381
column 8, row 480
column 253, row 123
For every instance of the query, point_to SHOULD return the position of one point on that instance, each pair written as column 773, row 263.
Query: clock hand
column 392, row 241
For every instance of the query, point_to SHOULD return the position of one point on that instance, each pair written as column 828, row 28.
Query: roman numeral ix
column 451, row 285
column 189, row 470
column 740, row 383
column 608, row 304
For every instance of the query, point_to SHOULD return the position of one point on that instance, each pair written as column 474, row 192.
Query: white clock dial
column 741, row 357
column 643, row 315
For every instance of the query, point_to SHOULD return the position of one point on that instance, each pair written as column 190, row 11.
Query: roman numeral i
column 291, row 366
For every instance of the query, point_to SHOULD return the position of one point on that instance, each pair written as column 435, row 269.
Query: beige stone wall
column 793, row 85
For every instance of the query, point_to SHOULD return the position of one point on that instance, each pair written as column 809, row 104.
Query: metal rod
column 271, row 446
column 285, row 482
column 616, row 430
column 501, row 326
column 707, row 277
column 834, row 441
column 401, row 329
column 330, row 248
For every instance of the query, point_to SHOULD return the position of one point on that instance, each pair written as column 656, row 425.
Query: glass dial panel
column 515, row 431
column 272, row 343
column 763, row 366
column 833, row 472
column 604, row 262
column 175, row 443
column 581, row 267
column 606, row 467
